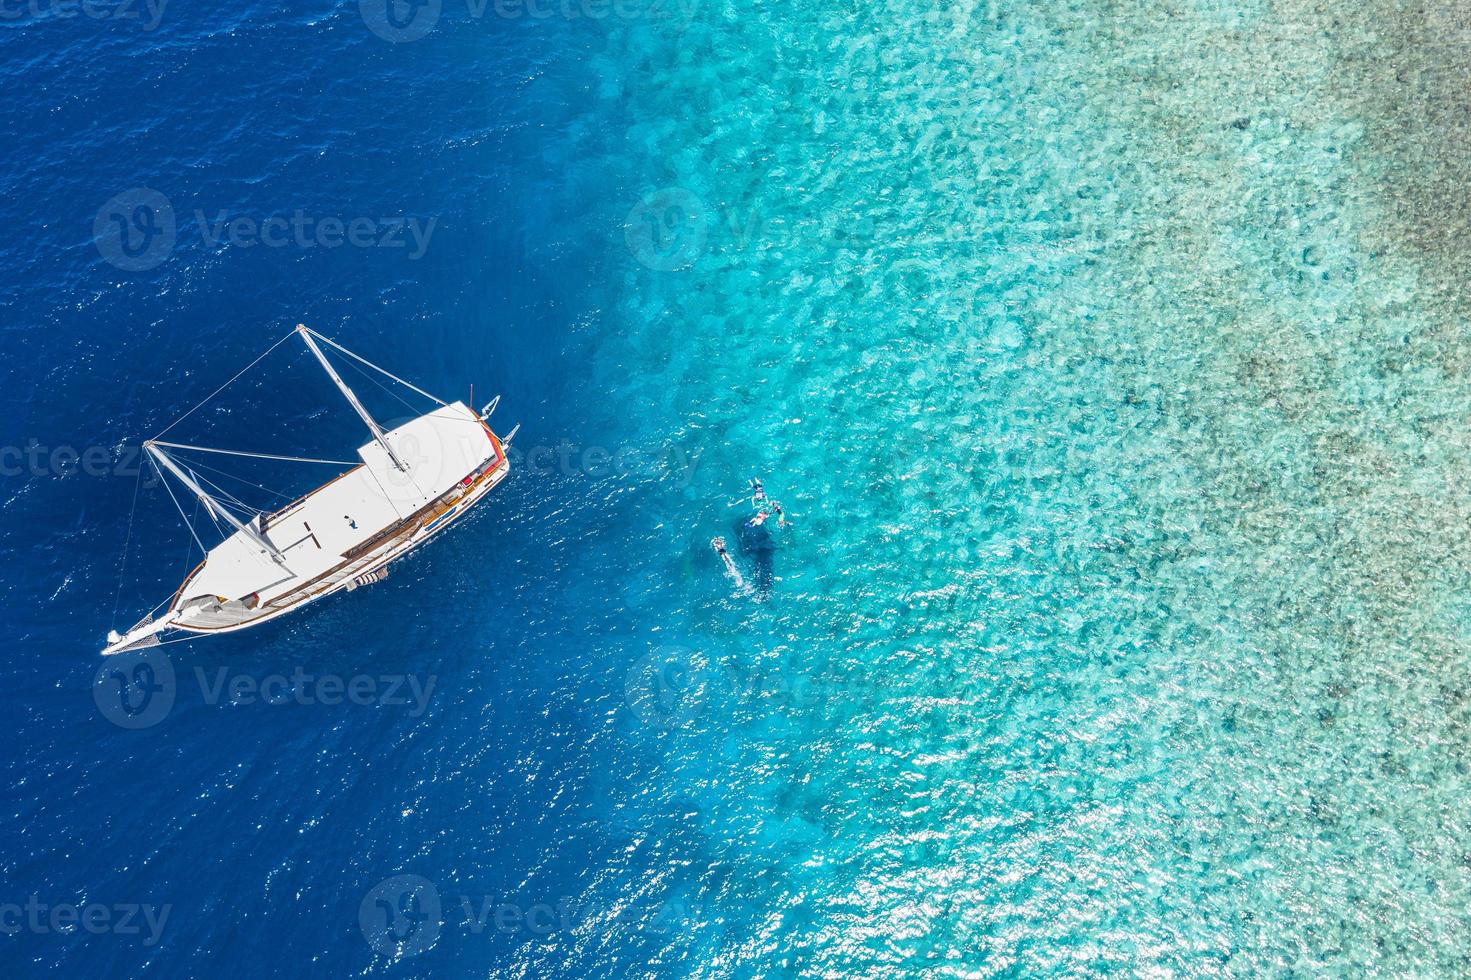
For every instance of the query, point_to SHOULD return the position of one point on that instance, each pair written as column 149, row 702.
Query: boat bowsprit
column 411, row 482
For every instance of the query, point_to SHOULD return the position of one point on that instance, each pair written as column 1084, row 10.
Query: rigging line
column 148, row 616
column 170, row 489
column 245, row 516
column 186, row 638
column 155, row 609
column 227, row 495
column 213, row 520
column 221, row 474
column 226, row 384
column 236, row 452
column 240, row 505
column 117, row 599
column 187, row 554
column 241, row 479
column 382, row 387
column 363, row 360
column 178, row 639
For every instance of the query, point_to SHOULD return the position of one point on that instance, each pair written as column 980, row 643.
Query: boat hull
column 342, row 577
column 237, row 586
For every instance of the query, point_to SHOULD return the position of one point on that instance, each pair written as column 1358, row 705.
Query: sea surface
column 1110, row 361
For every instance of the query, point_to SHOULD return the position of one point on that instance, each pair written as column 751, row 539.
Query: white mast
column 352, row 399
column 209, row 502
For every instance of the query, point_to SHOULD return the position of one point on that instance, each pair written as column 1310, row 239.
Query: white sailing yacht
column 413, row 481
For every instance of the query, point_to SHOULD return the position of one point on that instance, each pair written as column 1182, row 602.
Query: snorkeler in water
column 730, row 566
column 766, row 506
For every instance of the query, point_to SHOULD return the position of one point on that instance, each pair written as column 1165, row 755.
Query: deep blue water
column 263, row 827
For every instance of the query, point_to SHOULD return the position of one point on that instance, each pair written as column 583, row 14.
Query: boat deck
column 322, row 548
column 412, row 481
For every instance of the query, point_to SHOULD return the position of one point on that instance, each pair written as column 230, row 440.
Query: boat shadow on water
column 758, row 548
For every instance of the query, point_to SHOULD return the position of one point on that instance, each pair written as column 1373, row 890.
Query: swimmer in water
column 730, row 567
column 759, row 519
column 781, row 516
column 758, row 494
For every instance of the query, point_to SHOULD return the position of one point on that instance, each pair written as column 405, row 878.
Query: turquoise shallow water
column 1122, row 626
